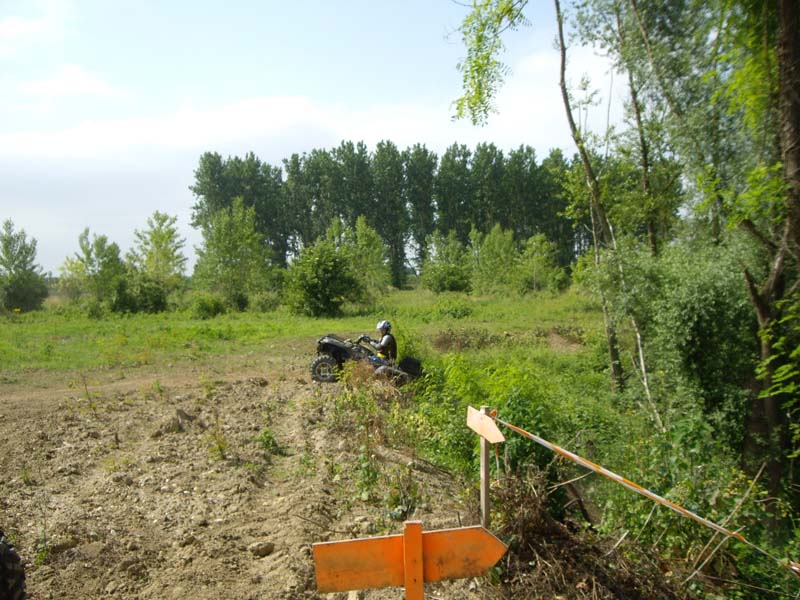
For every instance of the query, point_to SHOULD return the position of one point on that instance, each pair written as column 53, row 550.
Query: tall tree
column 521, row 189
column 232, row 259
column 488, row 205
column 643, row 151
column 218, row 181
column 297, row 201
column 768, row 293
column 353, row 195
column 730, row 80
column 569, row 235
column 453, row 192
column 419, row 172
column 391, row 219
column 22, row 284
column 320, row 175
column 158, row 251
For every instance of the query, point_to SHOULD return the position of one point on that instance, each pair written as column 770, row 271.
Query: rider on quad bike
column 387, row 345
column 333, row 352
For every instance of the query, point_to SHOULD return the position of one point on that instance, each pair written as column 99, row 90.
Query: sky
column 107, row 106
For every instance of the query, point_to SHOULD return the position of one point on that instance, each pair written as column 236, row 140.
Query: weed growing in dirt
column 26, row 477
column 334, row 470
column 217, row 441
column 402, row 496
column 113, row 464
column 209, row 386
column 268, row 445
column 367, row 472
column 159, row 390
column 42, row 546
column 88, row 396
column 42, row 553
column 308, row 463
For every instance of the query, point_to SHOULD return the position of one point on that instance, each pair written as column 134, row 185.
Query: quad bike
column 333, row 352
column 12, row 572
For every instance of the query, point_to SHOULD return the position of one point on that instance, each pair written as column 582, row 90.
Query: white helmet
column 383, row 325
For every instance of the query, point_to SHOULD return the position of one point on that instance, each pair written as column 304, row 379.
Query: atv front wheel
column 325, row 368
column 12, row 573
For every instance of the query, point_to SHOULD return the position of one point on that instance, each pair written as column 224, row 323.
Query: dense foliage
column 694, row 212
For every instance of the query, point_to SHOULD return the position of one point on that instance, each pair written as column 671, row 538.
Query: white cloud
column 70, row 80
column 188, row 128
column 529, row 105
column 16, row 31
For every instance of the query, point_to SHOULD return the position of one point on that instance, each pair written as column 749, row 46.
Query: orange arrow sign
column 382, row 561
column 484, row 426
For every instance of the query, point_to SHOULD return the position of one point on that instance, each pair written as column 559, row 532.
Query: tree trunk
column 597, row 210
column 644, row 147
column 766, row 297
column 789, row 82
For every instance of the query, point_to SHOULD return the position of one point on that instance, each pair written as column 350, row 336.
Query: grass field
column 53, row 340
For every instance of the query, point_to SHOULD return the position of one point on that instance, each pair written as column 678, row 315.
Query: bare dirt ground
column 161, row 483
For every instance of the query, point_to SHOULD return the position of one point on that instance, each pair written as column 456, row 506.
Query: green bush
column 207, row 305
column 495, row 260
column 93, row 308
column 448, row 268
column 537, row 268
column 453, row 306
column 321, row 280
column 138, row 293
column 265, row 301
column 25, row 291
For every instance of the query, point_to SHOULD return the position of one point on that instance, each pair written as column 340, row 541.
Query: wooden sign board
column 394, row 559
column 484, row 426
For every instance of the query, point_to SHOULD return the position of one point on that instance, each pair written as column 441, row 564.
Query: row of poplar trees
column 405, row 196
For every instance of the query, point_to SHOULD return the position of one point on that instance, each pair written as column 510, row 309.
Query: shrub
column 537, row 267
column 495, row 259
column 265, row 301
column 207, row 305
column 321, row 280
column 452, row 306
column 24, row 291
column 448, row 267
column 138, row 293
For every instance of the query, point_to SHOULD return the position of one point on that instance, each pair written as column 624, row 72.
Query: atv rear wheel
column 325, row 368
column 12, row 572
